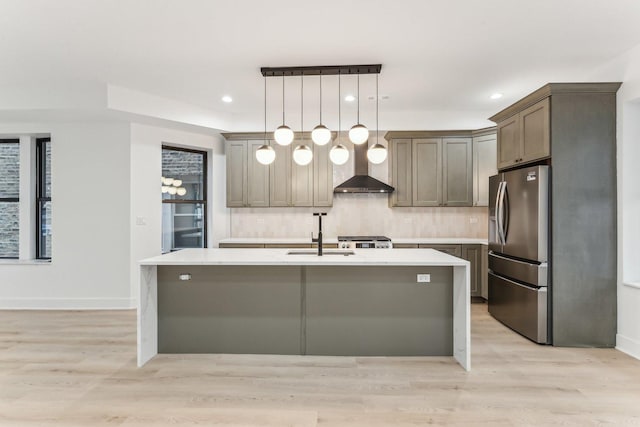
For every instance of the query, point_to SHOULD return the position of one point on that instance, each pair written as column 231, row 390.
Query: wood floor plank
column 78, row 368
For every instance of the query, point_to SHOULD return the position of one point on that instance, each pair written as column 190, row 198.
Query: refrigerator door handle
column 500, row 212
column 497, row 207
column 506, row 212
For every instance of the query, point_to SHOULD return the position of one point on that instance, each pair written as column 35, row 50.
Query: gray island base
column 263, row 301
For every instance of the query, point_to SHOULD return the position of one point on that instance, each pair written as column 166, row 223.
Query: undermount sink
column 315, row 252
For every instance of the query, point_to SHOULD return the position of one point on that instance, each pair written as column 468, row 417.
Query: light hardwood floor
column 78, row 368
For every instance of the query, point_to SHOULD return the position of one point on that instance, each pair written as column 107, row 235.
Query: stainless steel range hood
column 362, row 182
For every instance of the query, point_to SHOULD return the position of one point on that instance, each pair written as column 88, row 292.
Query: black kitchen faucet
column 319, row 239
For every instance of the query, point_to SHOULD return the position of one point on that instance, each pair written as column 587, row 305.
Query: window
column 184, row 194
column 9, row 197
column 43, row 198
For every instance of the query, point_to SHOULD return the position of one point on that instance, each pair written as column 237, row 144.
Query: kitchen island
column 266, row 301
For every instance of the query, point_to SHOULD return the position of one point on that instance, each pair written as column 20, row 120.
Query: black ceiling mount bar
column 325, row 70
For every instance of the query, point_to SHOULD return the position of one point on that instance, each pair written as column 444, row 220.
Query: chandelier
column 320, row 135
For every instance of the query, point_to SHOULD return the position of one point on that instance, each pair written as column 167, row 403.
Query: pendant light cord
column 283, row 99
column 339, row 105
column 358, row 121
column 265, row 109
column 321, row 97
column 301, row 107
column 377, row 139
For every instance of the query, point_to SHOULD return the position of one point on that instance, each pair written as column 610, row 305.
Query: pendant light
column 283, row 134
column 265, row 154
column 378, row 152
column 321, row 135
column 359, row 134
column 339, row 154
column 302, row 154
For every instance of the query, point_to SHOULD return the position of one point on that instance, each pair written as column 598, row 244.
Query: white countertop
column 405, row 240
column 276, row 240
column 426, row 257
column 440, row 240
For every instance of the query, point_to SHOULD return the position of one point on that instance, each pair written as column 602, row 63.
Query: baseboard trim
column 67, row 303
column 628, row 345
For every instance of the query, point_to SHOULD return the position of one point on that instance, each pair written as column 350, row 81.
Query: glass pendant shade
column 165, row 189
column 359, row 134
column 168, row 181
column 283, row 135
column 181, row 191
column 302, row 155
column 172, row 190
column 339, row 155
column 321, row 135
column 177, row 182
column 377, row 154
column 265, row 154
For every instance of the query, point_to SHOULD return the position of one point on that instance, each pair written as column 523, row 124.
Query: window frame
column 41, row 197
column 205, row 190
column 12, row 199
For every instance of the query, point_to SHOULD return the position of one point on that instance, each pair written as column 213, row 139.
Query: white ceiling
column 441, row 59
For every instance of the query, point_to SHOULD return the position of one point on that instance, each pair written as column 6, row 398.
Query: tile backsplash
column 361, row 214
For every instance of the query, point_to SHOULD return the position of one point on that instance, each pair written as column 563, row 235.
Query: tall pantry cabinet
column 572, row 128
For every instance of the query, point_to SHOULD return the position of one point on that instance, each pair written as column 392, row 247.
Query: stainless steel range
column 364, row 242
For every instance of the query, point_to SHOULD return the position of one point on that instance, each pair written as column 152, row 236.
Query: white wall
column 626, row 68
column 90, row 223
column 107, row 212
column 146, row 197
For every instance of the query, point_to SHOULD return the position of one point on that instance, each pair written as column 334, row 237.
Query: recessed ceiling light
column 349, row 98
column 227, row 99
column 496, row 96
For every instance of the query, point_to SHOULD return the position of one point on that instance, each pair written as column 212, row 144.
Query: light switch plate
column 424, row 278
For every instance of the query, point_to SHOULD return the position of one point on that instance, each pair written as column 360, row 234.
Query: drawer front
column 521, row 308
column 455, row 250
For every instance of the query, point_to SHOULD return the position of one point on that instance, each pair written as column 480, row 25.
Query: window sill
column 25, row 262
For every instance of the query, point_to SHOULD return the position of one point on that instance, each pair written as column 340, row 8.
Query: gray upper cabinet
column 535, row 132
column 322, row 176
column 457, row 173
column 508, row 142
column 431, row 168
column 257, row 178
column 484, row 166
column 236, row 153
column 247, row 179
column 280, row 184
column 280, row 174
column 427, row 172
column 400, row 172
column 524, row 137
column 301, row 184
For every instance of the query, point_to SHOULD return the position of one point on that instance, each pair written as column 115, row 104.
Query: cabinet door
column 472, row 253
column 535, row 132
column 427, row 172
column 301, row 184
column 400, row 172
column 484, row 272
column 280, row 176
column 508, row 142
column 257, row 178
column 484, row 166
column 236, row 157
column 322, row 176
column 457, row 177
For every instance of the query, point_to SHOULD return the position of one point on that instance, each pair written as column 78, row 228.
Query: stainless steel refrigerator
column 519, row 277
